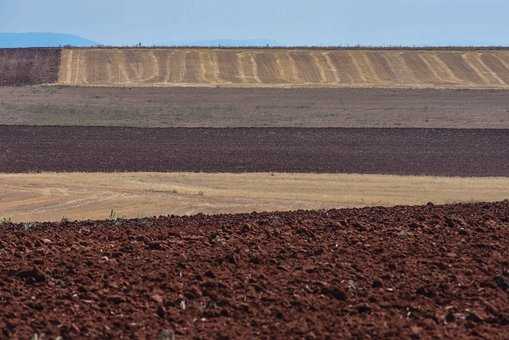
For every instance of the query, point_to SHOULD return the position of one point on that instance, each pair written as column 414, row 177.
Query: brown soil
column 404, row 272
column 211, row 107
column 29, row 66
column 439, row 152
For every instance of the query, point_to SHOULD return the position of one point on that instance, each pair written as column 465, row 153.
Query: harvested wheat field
column 403, row 272
column 284, row 67
column 82, row 196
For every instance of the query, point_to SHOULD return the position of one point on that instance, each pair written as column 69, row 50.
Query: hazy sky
column 291, row 22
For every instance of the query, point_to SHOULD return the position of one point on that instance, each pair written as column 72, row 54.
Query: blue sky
column 290, row 22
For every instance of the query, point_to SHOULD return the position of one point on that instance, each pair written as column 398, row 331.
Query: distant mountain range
column 13, row 40
column 17, row 40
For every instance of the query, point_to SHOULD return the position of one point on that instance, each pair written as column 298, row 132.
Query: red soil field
column 439, row 152
column 403, row 272
column 29, row 66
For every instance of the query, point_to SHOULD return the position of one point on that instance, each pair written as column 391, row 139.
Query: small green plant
column 51, row 90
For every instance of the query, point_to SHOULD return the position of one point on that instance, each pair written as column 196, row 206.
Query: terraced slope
column 285, row 67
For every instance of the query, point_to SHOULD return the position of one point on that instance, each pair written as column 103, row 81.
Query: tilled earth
column 29, row 66
column 436, row 152
column 254, row 107
column 415, row 272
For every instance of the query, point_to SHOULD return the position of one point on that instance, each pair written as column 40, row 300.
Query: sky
column 289, row 22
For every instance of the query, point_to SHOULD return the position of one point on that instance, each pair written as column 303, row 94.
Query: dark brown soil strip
column 377, row 151
column 405, row 272
column 29, row 66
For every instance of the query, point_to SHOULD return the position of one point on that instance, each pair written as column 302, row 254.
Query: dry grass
column 51, row 196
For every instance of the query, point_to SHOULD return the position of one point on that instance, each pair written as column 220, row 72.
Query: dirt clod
column 290, row 269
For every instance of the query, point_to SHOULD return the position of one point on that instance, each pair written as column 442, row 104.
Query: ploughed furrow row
column 437, row 272
column 284, row 67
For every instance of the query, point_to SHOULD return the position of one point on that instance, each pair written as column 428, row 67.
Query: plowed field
column 29, row 66
column 431, row 271
column 254, row 107
column 438, row 152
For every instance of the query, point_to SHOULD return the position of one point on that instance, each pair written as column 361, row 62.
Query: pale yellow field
column 51, row 196
column 285, row 68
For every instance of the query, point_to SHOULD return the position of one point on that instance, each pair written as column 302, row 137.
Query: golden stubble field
column 53, row 196
column 284, row 68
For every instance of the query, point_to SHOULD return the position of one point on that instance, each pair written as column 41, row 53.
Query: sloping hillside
column 285, row 67
column 256, row 67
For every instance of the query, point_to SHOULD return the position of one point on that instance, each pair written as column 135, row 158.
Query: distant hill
column 16, row 40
